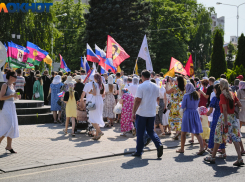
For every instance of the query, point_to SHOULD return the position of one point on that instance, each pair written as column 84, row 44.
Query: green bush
column 232, row 74
column 163, row 70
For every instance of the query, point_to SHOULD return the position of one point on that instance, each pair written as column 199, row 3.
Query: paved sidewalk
column 42, row 145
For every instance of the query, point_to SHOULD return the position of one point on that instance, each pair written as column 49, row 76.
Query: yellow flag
column 119, row 69
column 136, row 68
column 48, row 60
column 170, row 73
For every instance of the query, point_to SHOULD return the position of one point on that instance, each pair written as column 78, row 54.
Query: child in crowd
column 204, row 119
column 71, row 97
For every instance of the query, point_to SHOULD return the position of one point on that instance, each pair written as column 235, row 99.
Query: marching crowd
column 209, row 109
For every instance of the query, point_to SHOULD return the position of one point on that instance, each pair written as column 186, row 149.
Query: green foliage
column 34, row 27
column 232, row 74
column 125, row 20
column 218, row 62
column 200, row 43
column 230, row 54
column 69, row 42
column 184, row 26
column 163, row 70
column 240, row 58
column 166, row 42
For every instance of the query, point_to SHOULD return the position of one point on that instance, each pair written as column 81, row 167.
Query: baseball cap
column 240, row 77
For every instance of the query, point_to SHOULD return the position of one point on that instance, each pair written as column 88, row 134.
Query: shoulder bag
column 91, row 106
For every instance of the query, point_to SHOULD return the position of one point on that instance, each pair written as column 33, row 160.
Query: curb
column 87, row 159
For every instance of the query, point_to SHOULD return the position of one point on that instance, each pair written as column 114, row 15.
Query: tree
column 218, row 62
column 230, row 54
column 240, row 58
column 69, row 28
column 168, row 40
column 126, row 21
column 200, row 43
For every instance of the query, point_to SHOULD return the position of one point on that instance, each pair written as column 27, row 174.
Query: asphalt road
column 172, row 167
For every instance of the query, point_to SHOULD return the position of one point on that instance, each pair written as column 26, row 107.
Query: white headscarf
column 110, row 79
column 125, row 79
column 135, row 81
column 57, row 79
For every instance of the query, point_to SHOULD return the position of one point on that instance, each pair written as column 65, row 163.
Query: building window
column 215, row 23
column 232, row 40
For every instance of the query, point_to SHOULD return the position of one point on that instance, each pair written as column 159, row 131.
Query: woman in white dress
column 96, row 116
column 133, row 88
column 9, row 121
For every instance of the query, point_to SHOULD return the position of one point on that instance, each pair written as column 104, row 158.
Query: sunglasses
column 14, row 76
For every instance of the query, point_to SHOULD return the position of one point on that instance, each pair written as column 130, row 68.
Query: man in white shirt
column 144, row 113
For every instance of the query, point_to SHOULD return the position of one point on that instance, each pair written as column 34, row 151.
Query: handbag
column 59, row 102
column 91, row 106
column 37, row 95
column 169, row 106
column 2, row 101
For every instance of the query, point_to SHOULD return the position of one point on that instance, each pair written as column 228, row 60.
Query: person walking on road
column 9, row 122
column 144, row 112
column 227, row 129
column 191, row 122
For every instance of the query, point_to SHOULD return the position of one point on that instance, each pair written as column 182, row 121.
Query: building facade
column 218, row 22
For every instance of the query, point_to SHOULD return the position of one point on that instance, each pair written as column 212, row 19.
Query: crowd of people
column 212, row 110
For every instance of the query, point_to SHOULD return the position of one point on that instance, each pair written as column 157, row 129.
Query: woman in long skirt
column 9, row 122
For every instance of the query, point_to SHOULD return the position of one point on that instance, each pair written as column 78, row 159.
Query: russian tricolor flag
column 102, row 56
column 63, row 65
column 91, row 56
column 85, row 64
column 105, row 63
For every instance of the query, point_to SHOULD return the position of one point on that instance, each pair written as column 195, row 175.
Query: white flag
column 145, row 54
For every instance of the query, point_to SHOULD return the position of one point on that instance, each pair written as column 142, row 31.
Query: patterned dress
column 175, row 118
column 127, row 108
column 214, row 104
column 109, row 104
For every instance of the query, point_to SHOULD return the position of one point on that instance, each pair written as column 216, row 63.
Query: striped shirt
column 20, row 83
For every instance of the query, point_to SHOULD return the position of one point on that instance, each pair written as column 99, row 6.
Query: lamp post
column 16, row 36
column 218, row 3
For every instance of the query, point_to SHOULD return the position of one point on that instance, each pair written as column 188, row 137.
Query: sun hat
column 78, row 77
column 69, row 80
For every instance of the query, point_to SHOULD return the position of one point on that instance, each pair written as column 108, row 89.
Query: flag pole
column 135, row 65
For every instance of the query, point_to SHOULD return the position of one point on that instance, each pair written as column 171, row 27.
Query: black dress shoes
column 135, row 155
column 160, row 151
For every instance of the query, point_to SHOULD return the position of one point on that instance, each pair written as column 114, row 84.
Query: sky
column 230, row 13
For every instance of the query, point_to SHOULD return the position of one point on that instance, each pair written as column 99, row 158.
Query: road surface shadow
column 136, row 162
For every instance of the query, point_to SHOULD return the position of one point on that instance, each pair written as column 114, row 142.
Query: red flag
column 115, row 51
column 189, row 67
column 178, row 67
